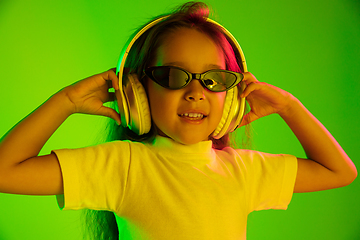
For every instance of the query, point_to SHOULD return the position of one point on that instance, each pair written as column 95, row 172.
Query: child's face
column 196, row 53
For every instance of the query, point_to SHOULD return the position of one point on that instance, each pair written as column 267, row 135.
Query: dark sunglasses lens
column 171, row 78
column 219, row 81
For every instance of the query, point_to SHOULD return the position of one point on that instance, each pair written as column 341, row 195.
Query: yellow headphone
column 134, row 106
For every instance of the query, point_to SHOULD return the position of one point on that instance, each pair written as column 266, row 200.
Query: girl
column 178, row 180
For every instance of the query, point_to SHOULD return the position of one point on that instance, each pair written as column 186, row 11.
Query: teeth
column 192, row 115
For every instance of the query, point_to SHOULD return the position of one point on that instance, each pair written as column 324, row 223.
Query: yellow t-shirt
column 166, row 190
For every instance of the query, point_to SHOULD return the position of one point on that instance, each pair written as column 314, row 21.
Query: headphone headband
column 130, row 43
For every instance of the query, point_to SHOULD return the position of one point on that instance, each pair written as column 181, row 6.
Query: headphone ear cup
column 234, row 107
column 223, row 124
column 137, row 104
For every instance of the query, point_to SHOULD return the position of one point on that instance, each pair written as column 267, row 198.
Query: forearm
column 26, row 139
column 319, row 145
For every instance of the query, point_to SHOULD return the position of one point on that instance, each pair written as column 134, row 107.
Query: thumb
column 248, row 118
column 111, row 113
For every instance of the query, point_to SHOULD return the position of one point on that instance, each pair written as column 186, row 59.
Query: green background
column 309, row 48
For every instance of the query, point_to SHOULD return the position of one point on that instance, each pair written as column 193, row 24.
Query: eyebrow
column 179, row 64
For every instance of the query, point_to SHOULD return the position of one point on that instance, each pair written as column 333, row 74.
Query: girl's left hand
column 264, row 99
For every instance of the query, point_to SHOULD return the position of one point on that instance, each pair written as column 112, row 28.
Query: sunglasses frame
column 198, row 76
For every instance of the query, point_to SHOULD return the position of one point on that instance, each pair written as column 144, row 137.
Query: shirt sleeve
column 94, row 177
column 270, row 180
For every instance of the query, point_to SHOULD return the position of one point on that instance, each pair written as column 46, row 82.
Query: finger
column 249, row 78
column 118, row 97
column 111, row 75
column 250, row 88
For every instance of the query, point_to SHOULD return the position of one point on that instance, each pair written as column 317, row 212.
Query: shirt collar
column 174, row 147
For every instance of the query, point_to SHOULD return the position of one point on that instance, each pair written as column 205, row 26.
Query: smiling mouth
column 193, row 116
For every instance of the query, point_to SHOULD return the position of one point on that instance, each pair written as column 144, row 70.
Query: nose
column 194, row 91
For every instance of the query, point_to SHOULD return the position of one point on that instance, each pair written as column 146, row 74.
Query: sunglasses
column 215, row 80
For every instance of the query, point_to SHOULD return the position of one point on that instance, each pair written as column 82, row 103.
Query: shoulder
column 247, row 154
column 114, row 146
column 255, row 158
column 105, row 151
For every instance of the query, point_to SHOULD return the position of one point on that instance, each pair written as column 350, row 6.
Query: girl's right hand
column 89, row 95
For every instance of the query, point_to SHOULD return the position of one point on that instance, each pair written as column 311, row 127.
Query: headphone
column 134, row 106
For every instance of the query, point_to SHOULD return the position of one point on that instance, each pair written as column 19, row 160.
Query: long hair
column 102, row 224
